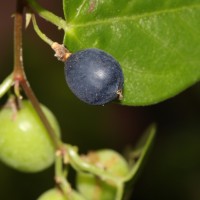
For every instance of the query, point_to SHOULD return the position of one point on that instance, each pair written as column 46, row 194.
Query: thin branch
column 18, row 54
column 40, row 33
column 31, row 96
column 19, row 74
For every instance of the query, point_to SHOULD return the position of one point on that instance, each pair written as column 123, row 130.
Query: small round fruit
column 92, row 187
column 56, row 194
column 94, row 76
column 24, row 142
column 52, row 194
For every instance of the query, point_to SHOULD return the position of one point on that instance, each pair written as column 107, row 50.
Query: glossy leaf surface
column 156, row 42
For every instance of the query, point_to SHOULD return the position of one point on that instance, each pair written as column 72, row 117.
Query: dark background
column 173, row 168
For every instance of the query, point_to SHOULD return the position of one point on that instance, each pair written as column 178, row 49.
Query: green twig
column 80, row 165
column 40, row 33
column 61, row 179
column 58, row 165
column 146, row 141
column 47, row 15
column 60, row 175
column 120, row 191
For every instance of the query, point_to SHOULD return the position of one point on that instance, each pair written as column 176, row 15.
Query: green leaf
column 156, row 42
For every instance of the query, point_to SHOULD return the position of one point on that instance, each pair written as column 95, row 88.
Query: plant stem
column 18, row 56
column 80, row 165
column 39, row 32
column 19, row 73
column 147, row 141
column 60, row 176
column 31, row 96
column 47, row 15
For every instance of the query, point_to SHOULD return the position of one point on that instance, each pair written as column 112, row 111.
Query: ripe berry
column 94, row 76
column 92, row 187
column 55, row 194
column 24, row 142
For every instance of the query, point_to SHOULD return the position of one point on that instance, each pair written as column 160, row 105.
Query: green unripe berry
column 52, row 194
column 92, row 187
column 56, row 194
column 24, row 142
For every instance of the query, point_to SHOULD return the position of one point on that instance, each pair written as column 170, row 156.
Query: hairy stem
column 19, row 74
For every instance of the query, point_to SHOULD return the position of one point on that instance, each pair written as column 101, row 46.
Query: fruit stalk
column 19, row 75
column 39, row 32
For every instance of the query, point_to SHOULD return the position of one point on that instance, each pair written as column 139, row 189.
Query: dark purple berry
column 94, row 76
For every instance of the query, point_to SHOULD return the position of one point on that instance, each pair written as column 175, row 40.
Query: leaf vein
column 132, row 17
